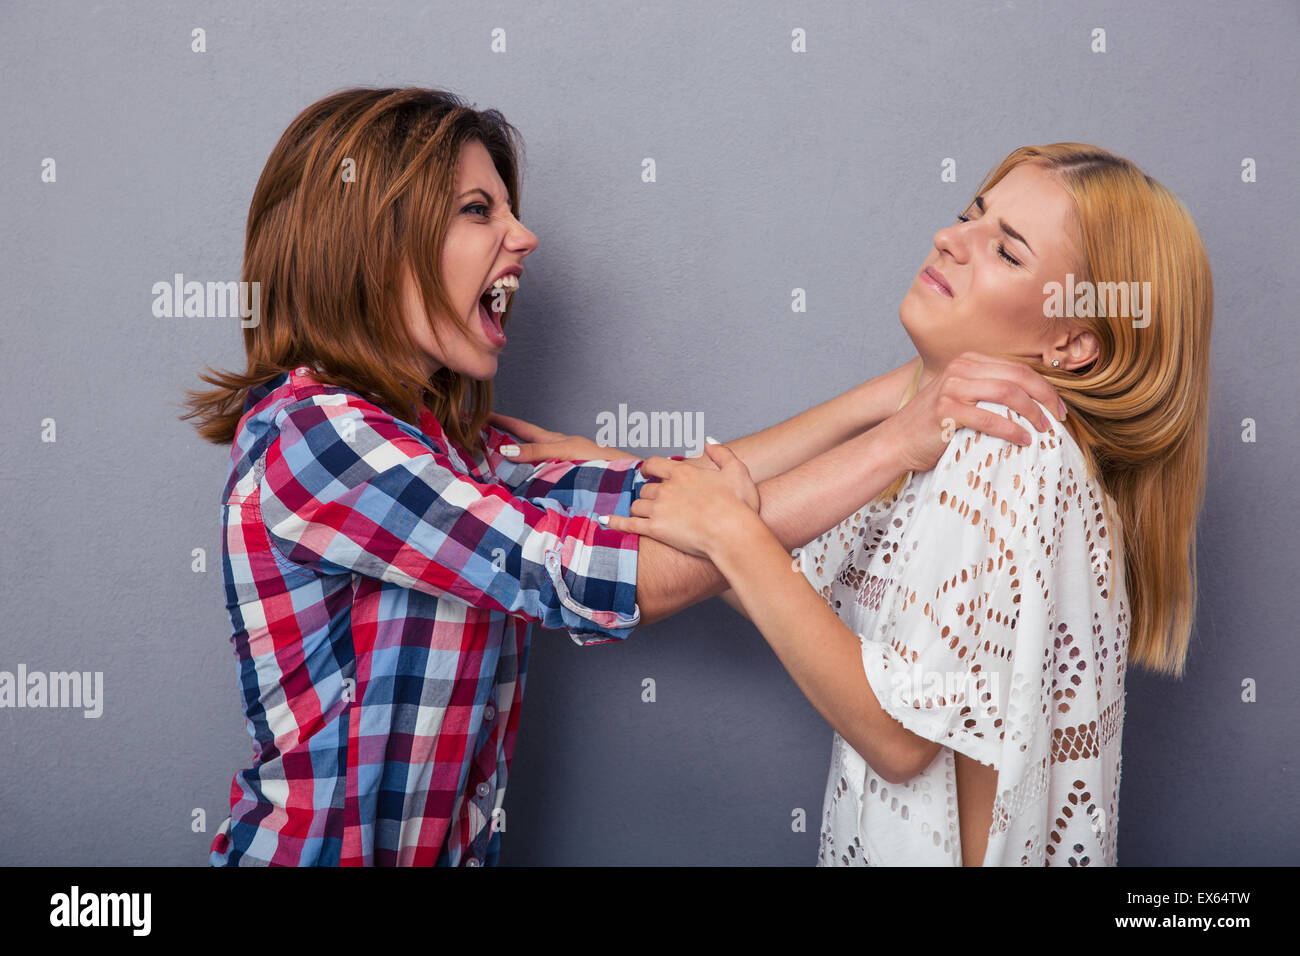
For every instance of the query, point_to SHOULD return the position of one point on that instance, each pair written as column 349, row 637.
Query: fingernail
column 603, row 519
column 509, row 450
column 709, row 440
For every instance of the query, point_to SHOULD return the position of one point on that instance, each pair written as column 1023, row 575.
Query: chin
column 485, row 372
column 932, row 345
column 912, row 318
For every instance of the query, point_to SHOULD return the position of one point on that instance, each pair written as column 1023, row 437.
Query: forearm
column 729, row 598
column 820, row 652
column 797, row 506
column 777, row 449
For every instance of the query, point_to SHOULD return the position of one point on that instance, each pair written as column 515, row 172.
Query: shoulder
column 1042, row 493
column 986, row 491
column 304, row 407
column 326, row 436
column 972, row 455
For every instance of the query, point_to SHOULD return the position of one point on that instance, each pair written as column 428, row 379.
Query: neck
column 928, row 375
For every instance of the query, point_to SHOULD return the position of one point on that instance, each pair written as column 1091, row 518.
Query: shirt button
column 489, row 712
column 472, row 861
column 482, row 789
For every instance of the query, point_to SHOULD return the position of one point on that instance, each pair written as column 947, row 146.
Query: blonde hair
column 1140, row 411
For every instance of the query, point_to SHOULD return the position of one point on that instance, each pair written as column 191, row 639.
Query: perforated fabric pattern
column 982, row 596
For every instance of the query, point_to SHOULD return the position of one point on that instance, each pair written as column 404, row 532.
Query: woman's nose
column 950, row 239
column 522, row 239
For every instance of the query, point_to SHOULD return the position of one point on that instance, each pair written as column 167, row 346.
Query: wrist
column 886, row 447
column 739, row 530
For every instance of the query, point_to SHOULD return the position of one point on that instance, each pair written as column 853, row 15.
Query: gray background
column 775, row 171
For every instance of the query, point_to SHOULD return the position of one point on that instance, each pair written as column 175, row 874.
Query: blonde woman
column 967, row 632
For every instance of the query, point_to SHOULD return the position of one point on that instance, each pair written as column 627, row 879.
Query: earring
column 1055, row 363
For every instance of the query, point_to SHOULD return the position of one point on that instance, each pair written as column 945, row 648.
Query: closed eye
column 1002, row 248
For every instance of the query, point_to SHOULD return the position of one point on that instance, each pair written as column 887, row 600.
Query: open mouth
column 492, row 305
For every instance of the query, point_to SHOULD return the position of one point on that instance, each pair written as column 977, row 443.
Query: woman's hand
column 924, row 426
column 690, row 508
column 542, row 444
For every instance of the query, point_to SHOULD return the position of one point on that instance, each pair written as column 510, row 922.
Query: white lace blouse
column 989, row 599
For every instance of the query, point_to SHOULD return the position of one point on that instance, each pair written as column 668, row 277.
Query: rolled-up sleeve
column 348, row 488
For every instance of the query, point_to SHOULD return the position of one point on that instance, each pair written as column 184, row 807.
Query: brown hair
column 1140, row 411
column 327, row 251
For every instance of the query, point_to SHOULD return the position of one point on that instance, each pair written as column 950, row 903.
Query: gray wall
column 776, row 170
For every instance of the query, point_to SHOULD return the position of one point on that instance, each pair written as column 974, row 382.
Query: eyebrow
column 979, row 202
column 486, row 195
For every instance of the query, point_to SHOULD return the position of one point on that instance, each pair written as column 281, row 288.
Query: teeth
column 507, row 282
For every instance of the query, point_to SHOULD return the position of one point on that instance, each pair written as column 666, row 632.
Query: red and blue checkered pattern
column 381, row 582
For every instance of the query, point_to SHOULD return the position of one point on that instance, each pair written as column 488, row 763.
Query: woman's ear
column 1084, row 349
column 1079, row 349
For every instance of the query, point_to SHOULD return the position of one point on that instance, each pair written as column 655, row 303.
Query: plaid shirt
column 381, row 583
